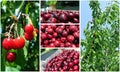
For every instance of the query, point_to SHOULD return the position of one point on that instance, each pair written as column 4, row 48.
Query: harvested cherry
column 64, row 62
column 59, row 16
column 60, row 35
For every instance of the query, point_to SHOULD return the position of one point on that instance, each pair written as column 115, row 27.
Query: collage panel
column 62, row 35
column 59, row 11
column 20, row 36
column 60, row 60
column 100, row 50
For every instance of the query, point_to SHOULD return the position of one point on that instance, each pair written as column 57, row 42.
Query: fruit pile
column 68, row 60
column 18, row 42
column 60, row 16
column 60, row 35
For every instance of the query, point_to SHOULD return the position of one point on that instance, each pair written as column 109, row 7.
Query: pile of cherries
column 60, row 35
column 18, row 42
column 60, row 16
column 68, row 60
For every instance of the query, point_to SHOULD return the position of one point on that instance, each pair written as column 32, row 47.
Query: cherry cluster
column 68, row 60
column 60, row 35
column 29, row 28
column 18, row 42
column 60, row 16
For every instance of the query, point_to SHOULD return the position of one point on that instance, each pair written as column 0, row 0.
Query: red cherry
column 55, row 34
column 63, row 39
column 7, row 43
column 50, row 30
column 49, row 36
column 46, row 42
column 76, row 68
column 53, row 40
column 62, row 45
column 19, row 43
column 64, row 33
column 70, row 38
column 43, row 36
column 28, row 36
column 51, row 45
column 29, row 28
column 73, row 28
column 71, row 64
column 76, row 34
column 76, row 61
column 11, row 56
column 67, row 44
column 75, row 20
column 57, row 43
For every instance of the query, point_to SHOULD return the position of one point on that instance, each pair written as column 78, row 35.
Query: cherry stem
column 11, row 27
column 27, row 16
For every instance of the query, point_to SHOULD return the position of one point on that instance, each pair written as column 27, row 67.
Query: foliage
column 28, row 57
column 100, row 49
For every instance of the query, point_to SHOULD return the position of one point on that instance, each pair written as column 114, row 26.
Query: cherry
column 76, row 61
column 67, row 44
column 11, row 56
column 76, row 68
column 52, row 20
column 70, row 38
column 71, row 64
column 46, row 16
column 51, row 45
column 7, row 43
column 65, row 33
column 28, row 36
column 49, row 36
column 57, row 43
column 50, row 30
column 43, row 36
column 63, row 17
column 46, row 42
column 55, row 34
column 76, row 34
column 29, row 28
column 75, row 20
column 19, row 42
column 63, row 39
column 73, row 28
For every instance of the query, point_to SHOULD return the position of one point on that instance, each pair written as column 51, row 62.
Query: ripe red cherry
column 70, row 38
column 7, row 43
column 63, row 39
column 49, row 36
column 76, row 34
column 52, row 20
column 55, row 34
column 57, row 43
column 75, row 20
column 71, row 64
column 46, row 42
column 19, row 42
column 43, row 36
column 29, row 28
column 76, row 68
column 73, row 28
column 52, row 45
column 65, row 33
column 67, row 44
column 76, row 61
column 50, row 30
column 46, row 16
column 62, row 45
column 11, row 56
column 63, row 17
column 28, row 36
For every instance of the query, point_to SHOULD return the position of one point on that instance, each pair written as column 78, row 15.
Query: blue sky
column 86, row 14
